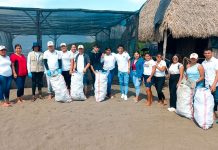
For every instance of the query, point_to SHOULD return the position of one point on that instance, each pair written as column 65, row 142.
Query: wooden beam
column 165, row 44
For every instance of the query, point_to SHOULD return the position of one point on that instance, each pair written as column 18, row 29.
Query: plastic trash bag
column 59, row 86
column 185, row 95
column 100, row 85
column 77, row 92
column 203, row 108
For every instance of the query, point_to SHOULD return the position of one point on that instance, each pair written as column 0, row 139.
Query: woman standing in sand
column 176, row 72
column 148, row 76
column 159, row 78
column 136, row 71
column 5, row 76
column 35, row 69
column 19, row 69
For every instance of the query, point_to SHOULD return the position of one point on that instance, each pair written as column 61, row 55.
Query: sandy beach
column 111, row 125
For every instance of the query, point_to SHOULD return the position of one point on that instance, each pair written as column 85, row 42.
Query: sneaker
column 122, row 96
column 171, row 109
column 125, row 97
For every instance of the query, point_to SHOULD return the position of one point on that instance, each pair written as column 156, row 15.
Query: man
column 52, row 63
column 82, row 63
column 210, row 65
column 95, row 60
column 66, row 63
column 73, row 51
column 109, row 61
column 123, row 62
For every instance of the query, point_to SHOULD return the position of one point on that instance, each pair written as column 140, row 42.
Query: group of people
column 139, row 69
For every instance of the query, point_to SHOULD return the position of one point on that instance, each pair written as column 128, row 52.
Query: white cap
column 50, row 43
column 63, row 44
column 80, row 47
column 2, row 47
column 194, row 55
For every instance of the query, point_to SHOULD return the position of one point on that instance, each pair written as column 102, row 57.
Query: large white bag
column 203, row 108
column 184, row 104
column 59, row 86
column 77, row 92
column 100, row 86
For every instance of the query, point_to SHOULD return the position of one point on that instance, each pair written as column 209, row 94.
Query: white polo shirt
column 122, row 61
column 174, row 68
column 80, row 63
column 109, row 61
column 5, row 66
column 66, row 60
column 148, row 67
column 52, row 59
column 159, row 73
column 210, row 68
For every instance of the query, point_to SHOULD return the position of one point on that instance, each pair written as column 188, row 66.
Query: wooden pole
column 165, row 44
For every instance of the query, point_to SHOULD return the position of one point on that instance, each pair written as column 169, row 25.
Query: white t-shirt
column 148, row 67
column 66, row 60
column 122, row 61
column 52, row 59
column 174, row 68
column 80, row 63
column 210, row 68
column 159, row 73
column 73, row 55
column 109, row 61
column 5, row 66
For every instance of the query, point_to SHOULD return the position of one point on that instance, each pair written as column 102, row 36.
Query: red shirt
column 134, row 66
column 20, row 64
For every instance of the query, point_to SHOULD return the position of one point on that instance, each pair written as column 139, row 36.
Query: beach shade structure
column 104, row 26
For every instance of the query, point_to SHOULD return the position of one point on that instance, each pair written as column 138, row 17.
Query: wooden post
column 165, row 44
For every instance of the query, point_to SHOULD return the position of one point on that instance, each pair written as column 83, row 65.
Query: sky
column 122, row 5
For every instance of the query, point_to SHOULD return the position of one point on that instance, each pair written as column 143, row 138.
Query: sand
column 111, row 125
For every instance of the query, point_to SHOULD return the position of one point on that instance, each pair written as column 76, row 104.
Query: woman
column 149, row 70
column 176, row 72
column 108, row 59
column 136, row 71
column 5, row 77
column 35, row 69
column 159, row 78
column 195, row 71
column 66, row 57
column 19, row 69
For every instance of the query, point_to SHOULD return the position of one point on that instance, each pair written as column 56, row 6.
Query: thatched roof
column 146, row 20
column 183, row 18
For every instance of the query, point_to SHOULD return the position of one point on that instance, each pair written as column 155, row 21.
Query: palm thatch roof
column 183, row 18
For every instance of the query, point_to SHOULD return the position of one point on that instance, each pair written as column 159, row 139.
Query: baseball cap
column 63, row 44
column 50, row 43
column 80, row 47
column 194, row 55
column 2, row 47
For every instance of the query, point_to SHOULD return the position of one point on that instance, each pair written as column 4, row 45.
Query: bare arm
column 129, row 66
column 13, row 70
column 181, row 73
column 201, row 72
column 213, row 87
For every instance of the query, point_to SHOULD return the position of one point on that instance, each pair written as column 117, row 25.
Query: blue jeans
column 20, row 81
column 137, row 83
column 124, row 81
column 5, row 85
column 110, row 78
column 215, row 95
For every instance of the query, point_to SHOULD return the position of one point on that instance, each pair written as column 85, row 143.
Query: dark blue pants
column 159, row 84
column 173, row 81
column 215, row 95
column 67, row 78
column 110, row 81
column 37, row 80
column 20, row 81
column 5, row 85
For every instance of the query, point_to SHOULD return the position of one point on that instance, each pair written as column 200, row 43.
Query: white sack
column 100, row 86
column 77, row 92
